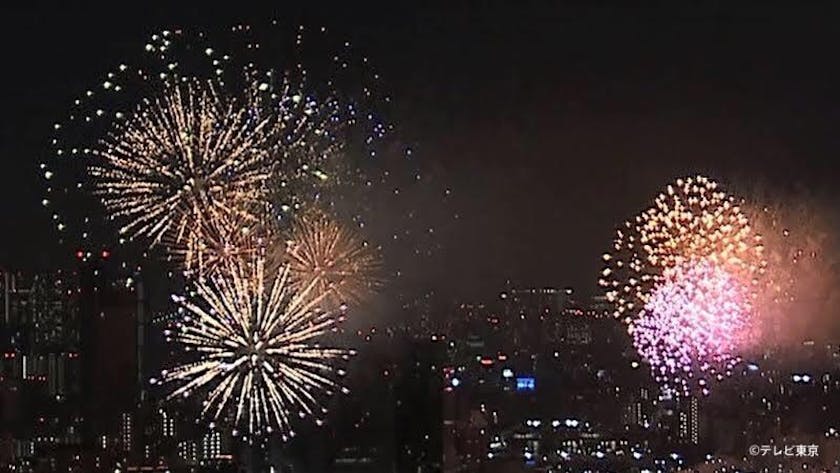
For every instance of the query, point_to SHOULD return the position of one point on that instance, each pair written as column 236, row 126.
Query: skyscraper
column 109, row 307
column 418, row 417
column 688, row 430
column 39, row 342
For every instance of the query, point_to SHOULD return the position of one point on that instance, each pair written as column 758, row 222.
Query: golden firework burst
column 333, row 259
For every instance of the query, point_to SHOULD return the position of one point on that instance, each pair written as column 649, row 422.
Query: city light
column 525, row 384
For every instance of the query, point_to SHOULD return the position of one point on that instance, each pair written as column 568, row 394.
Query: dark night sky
column 552, row 123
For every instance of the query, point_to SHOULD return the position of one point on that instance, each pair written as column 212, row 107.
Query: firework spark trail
column 258, row 355
column 693, row 325
column 331, row 259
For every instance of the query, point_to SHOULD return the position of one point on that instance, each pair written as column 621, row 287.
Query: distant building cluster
column 72, row 381
column 530, row 379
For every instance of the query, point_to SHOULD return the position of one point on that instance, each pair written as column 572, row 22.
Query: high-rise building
column 418, row 417
column 127, row 431
column 211, row 445
column 536, row 300
column 188, row 452
column 39, row 342
column 688, row 430
column 109, row 342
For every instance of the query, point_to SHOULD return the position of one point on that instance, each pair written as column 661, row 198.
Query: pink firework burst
column 693, row 325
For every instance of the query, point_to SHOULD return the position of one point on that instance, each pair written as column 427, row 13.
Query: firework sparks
column 181, row 159
column 216, row 241
column 167, row 147
column 330, row 258
column 683, row 276
column 692, row 325
column 325, row 142
column 258, row 355
column 691, row 220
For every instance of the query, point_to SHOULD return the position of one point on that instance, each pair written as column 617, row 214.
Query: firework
column 331, row 258
column 683, row 276
column 182, row 159
column 214, row 242
column 188, row 130
column 693, row 325
column 257, row 350
column 692, row 220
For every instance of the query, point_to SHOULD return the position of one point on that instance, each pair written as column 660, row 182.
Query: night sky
column 551, row 124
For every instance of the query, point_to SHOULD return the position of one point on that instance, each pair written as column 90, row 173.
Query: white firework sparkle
column 260, row 363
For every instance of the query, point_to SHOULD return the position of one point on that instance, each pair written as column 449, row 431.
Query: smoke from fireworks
column 800, row 247
column 672, row 265
column 258, row 359
column 331, row 258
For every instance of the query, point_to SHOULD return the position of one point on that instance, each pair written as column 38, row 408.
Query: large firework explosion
column 190, row 156
column 312, row 104
column 187, row 130
column 692, row 220
column 693, row 226
column 257, row 360
column 331, row 258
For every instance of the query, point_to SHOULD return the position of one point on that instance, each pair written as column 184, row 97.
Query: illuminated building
column 127, row 431
column 38, row 369
column 578, row 331
column 167, row 424
column 211, row 445
column 537, row 300
column 188, row 452
column 688, row 430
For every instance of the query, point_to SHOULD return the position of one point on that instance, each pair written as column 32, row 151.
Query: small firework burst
column 331, row 258
column 215, row 240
